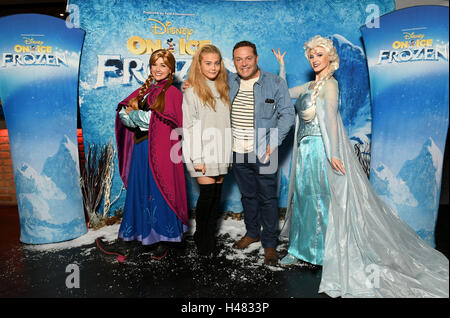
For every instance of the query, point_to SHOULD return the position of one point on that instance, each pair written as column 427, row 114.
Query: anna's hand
column 337, row 165
column 279, row 56
column 128, row 110
column 133, row 104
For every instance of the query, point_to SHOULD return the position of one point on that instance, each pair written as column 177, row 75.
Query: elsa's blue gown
column 365, row 248
column 311, row 193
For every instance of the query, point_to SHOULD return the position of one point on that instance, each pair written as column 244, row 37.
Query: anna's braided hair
column 159, row 103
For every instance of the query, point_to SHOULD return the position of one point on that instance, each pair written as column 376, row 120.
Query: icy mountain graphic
column 50, row 202
column 414, row 191
column 63, row 167
column 354, row 93
column 423, row 174
column 35, row 190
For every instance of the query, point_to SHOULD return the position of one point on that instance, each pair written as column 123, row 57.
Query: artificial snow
column 229, row 231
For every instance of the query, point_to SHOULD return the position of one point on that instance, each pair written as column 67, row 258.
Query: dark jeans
column 259, row 198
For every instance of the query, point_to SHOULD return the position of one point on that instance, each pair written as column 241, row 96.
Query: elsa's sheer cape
column 369, row 250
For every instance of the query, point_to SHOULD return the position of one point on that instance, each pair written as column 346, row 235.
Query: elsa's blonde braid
column 309, row 113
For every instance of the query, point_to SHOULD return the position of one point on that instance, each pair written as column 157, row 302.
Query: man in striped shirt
column 261, row 116
column 242, row 117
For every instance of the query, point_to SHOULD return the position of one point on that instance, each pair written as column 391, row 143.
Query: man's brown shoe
column 270, row 256
column 244, row 242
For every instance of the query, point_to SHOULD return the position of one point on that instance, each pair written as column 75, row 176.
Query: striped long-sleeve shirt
column 242, row 117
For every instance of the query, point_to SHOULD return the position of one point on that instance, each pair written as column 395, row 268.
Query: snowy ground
column 229, row 231
column 41, row 270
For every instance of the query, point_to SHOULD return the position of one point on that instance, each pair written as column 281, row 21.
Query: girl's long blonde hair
column 198, row 82
column 160, row 101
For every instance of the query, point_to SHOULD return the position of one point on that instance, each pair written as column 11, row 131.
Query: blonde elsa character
column 334, row 217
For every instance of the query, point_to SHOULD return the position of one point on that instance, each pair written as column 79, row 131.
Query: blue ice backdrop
column 110, row 72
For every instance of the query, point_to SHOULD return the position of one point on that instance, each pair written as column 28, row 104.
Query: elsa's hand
column 279, row 56
column 337, row 165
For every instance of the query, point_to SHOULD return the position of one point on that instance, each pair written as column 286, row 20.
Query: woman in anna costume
column 155, row 208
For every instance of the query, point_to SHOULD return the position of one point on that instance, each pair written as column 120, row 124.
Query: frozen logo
column 138, row 45
column 413, row 46
column 33, row 51
column 117, row 69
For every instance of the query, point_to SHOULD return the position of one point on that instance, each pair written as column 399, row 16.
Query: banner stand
column 39, row 66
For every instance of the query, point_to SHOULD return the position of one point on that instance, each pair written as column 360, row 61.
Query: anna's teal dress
column 311, row 195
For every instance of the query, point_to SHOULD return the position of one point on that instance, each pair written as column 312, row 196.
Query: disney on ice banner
column 408, row 66
column 38, row 87
column 121, row 35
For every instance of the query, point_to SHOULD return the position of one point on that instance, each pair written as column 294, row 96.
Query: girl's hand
column 279, row 56
column 185, row 85
column 201, row 168
column 337, row 165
